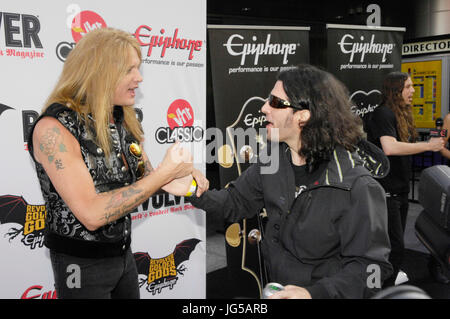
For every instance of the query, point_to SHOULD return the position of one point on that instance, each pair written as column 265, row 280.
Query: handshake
column 185, row 180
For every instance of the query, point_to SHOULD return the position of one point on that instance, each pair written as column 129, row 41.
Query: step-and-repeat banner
column 35, row 39
column 361, row 57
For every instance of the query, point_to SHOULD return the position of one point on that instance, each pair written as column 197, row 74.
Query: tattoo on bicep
column 59, row 164
column 50, row 144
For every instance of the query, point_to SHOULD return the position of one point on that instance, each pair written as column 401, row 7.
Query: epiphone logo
column 348, row 46
column 146, row 38
column 258, row 49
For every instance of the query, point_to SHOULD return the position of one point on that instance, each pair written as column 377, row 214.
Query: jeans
column 397, row 206
column 95, row 278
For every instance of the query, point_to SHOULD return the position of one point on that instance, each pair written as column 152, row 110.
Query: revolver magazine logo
column 21, row 36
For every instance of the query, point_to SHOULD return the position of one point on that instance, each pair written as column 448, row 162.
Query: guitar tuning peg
column 254, row 236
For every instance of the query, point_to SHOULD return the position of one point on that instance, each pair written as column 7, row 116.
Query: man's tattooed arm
column 121, row 202
column 59, row 153
column 148, row 168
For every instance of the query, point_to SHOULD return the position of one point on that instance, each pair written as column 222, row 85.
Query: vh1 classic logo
column 80, row 23
column 180, row 120
column 84, row 22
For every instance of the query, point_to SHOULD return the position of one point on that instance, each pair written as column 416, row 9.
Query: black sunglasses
column 278, row 103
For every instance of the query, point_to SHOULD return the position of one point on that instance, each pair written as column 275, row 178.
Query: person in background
column 87, row 146
column 434, row 266
column 326, row 215
column 391, row 127
column 446, row 151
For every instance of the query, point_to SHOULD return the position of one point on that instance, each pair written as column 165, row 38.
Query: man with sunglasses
column 326, row 232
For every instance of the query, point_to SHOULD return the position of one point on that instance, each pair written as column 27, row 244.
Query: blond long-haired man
column 93, row 171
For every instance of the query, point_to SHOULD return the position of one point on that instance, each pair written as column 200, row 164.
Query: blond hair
column 89, row 78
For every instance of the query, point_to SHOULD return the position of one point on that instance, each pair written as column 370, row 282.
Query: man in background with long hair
column 391, row 127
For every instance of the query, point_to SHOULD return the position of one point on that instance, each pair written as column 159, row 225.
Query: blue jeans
column 95, row 278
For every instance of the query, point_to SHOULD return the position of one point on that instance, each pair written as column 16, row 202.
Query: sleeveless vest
column 64, row 233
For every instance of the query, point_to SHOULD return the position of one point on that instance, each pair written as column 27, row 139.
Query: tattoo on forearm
column 50, row 144
column 122, row 202
column 120, row 196
column 148, row 168
column 122, row 211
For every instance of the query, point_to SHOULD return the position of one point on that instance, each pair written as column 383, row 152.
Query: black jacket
column 325, row 239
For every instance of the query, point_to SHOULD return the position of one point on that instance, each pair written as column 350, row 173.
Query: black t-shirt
column 302, row 178
column 383, row 123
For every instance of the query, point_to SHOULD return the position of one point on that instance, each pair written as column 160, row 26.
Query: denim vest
column 64, row 233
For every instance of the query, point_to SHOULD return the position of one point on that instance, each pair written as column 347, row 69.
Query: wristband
column 192, row 189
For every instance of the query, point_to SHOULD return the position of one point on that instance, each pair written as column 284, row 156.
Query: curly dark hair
column 331, row 122
column 391, row 92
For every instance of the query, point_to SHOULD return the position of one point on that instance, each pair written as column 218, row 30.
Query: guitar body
column 245, row 262
column 246, row 271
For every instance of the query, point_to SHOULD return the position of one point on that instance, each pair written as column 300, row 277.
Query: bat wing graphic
column 142, row 262
column 184, row 249
column 181, row 253
column 4, row 107
column 12, row 209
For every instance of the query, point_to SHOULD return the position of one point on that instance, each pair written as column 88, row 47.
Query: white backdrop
column 35, row 37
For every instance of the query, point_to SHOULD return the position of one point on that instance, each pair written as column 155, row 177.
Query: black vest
column 64, row 233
